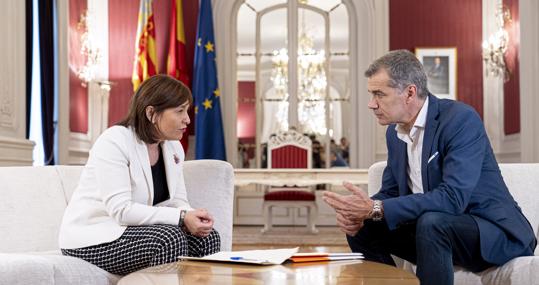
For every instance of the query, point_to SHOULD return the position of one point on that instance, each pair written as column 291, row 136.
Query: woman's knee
column 171, row 238
column 214, row 242
column 201, row 246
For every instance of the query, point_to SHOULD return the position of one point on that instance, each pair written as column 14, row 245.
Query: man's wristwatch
column 377, row 213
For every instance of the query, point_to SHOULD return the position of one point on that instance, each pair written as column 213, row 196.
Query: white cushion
column 32, row 207
column 464, row 277
column 35, row 270
column 519, row 271
column 375, row 173
column 69, row 176
column 215, row 194
column 51, row 269
column 71, row 270
column 522, row 179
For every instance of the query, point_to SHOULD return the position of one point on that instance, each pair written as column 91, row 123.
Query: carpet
column 297, row 236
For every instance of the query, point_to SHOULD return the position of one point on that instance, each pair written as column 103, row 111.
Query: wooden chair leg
column 267, row 212
column 312, row 213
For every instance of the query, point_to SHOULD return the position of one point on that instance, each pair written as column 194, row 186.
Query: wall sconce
column 495, row 47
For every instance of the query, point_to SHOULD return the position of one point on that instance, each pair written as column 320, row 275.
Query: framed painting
column 441, row 67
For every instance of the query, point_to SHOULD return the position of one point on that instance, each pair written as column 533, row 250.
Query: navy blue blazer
column 460, row 176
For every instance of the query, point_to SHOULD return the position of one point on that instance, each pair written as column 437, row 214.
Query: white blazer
column 115, row 190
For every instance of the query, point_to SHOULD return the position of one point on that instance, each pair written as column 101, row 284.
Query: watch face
column 377, row 210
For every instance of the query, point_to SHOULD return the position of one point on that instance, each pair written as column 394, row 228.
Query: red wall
column 78, row 95
column 122, row 33
column 246, row 124
column 512, row 87
column 442, row 23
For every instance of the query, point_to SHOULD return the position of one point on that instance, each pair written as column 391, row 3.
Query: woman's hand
column 198, row 222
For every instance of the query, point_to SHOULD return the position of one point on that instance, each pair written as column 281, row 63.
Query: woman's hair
column 161, row 92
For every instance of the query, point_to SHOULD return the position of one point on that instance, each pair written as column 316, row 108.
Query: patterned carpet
column 297, row 236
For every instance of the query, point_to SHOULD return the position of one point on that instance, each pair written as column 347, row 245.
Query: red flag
column 176, row 64
column 145, row 52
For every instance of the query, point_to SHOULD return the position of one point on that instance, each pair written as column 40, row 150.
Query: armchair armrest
column 210, row 185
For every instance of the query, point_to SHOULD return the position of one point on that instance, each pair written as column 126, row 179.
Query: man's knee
column 431, row 222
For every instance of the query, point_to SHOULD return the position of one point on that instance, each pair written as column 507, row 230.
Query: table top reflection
column 299, row 176
column 334, row 272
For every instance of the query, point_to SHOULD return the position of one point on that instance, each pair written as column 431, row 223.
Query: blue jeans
column 434, row 242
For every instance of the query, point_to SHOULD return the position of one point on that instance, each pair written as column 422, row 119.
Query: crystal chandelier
column 89, row 50
column 312, row 83
column 495, row 47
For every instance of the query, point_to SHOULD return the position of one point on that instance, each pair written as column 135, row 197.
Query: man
column 443, row 201
column 438, row 79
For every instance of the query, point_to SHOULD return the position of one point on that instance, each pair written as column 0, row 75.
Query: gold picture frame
column 441, row 67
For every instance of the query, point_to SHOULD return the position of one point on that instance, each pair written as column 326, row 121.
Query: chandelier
column 312, row 83
column 495, row 47
column 89, row 50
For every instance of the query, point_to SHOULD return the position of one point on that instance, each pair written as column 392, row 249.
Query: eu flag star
column 209, row 46
column 216, row 92
column 199, row 42
column 207, row 104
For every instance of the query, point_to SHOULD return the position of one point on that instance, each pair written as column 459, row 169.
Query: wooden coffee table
column 334, row 272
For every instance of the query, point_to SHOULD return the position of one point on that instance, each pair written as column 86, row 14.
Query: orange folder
column 324, row 256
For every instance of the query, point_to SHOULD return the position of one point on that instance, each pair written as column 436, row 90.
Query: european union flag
column 210, row 142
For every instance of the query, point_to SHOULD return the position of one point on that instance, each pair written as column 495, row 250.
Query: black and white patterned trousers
column 145, row 246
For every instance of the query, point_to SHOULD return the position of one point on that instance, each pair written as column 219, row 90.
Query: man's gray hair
column 403, row 69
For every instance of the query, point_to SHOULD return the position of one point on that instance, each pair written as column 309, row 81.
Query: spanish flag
column 176, row 64
column 145, row 52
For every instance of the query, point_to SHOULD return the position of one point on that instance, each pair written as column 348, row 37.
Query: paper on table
column 324, row 256
column 261, row 257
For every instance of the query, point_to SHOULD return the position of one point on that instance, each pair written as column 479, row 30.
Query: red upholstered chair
column 289, row 149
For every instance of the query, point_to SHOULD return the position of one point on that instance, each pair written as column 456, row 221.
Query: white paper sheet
column 262, row 257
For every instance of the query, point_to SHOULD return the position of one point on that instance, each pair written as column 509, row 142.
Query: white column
column 492, row 84
column 15, row 149
column 529, row 83
column 225, row 14
column 369, row 39
column 293, row 88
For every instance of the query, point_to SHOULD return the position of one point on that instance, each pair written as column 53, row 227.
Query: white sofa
column 33, row 200
column 522, row 179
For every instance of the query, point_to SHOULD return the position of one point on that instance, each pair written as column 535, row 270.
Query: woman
column 130, row 209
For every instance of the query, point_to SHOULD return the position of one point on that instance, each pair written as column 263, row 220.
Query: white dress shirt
column 414, row 148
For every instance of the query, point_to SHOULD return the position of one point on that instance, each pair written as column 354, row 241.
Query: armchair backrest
column 289, row 149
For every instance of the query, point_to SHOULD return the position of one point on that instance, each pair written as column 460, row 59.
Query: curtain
column 46, row 53
column 29, row 46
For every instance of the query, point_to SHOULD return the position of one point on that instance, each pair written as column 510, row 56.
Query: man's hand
column 348, row 227
column 353, row 208
column 199, row 222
